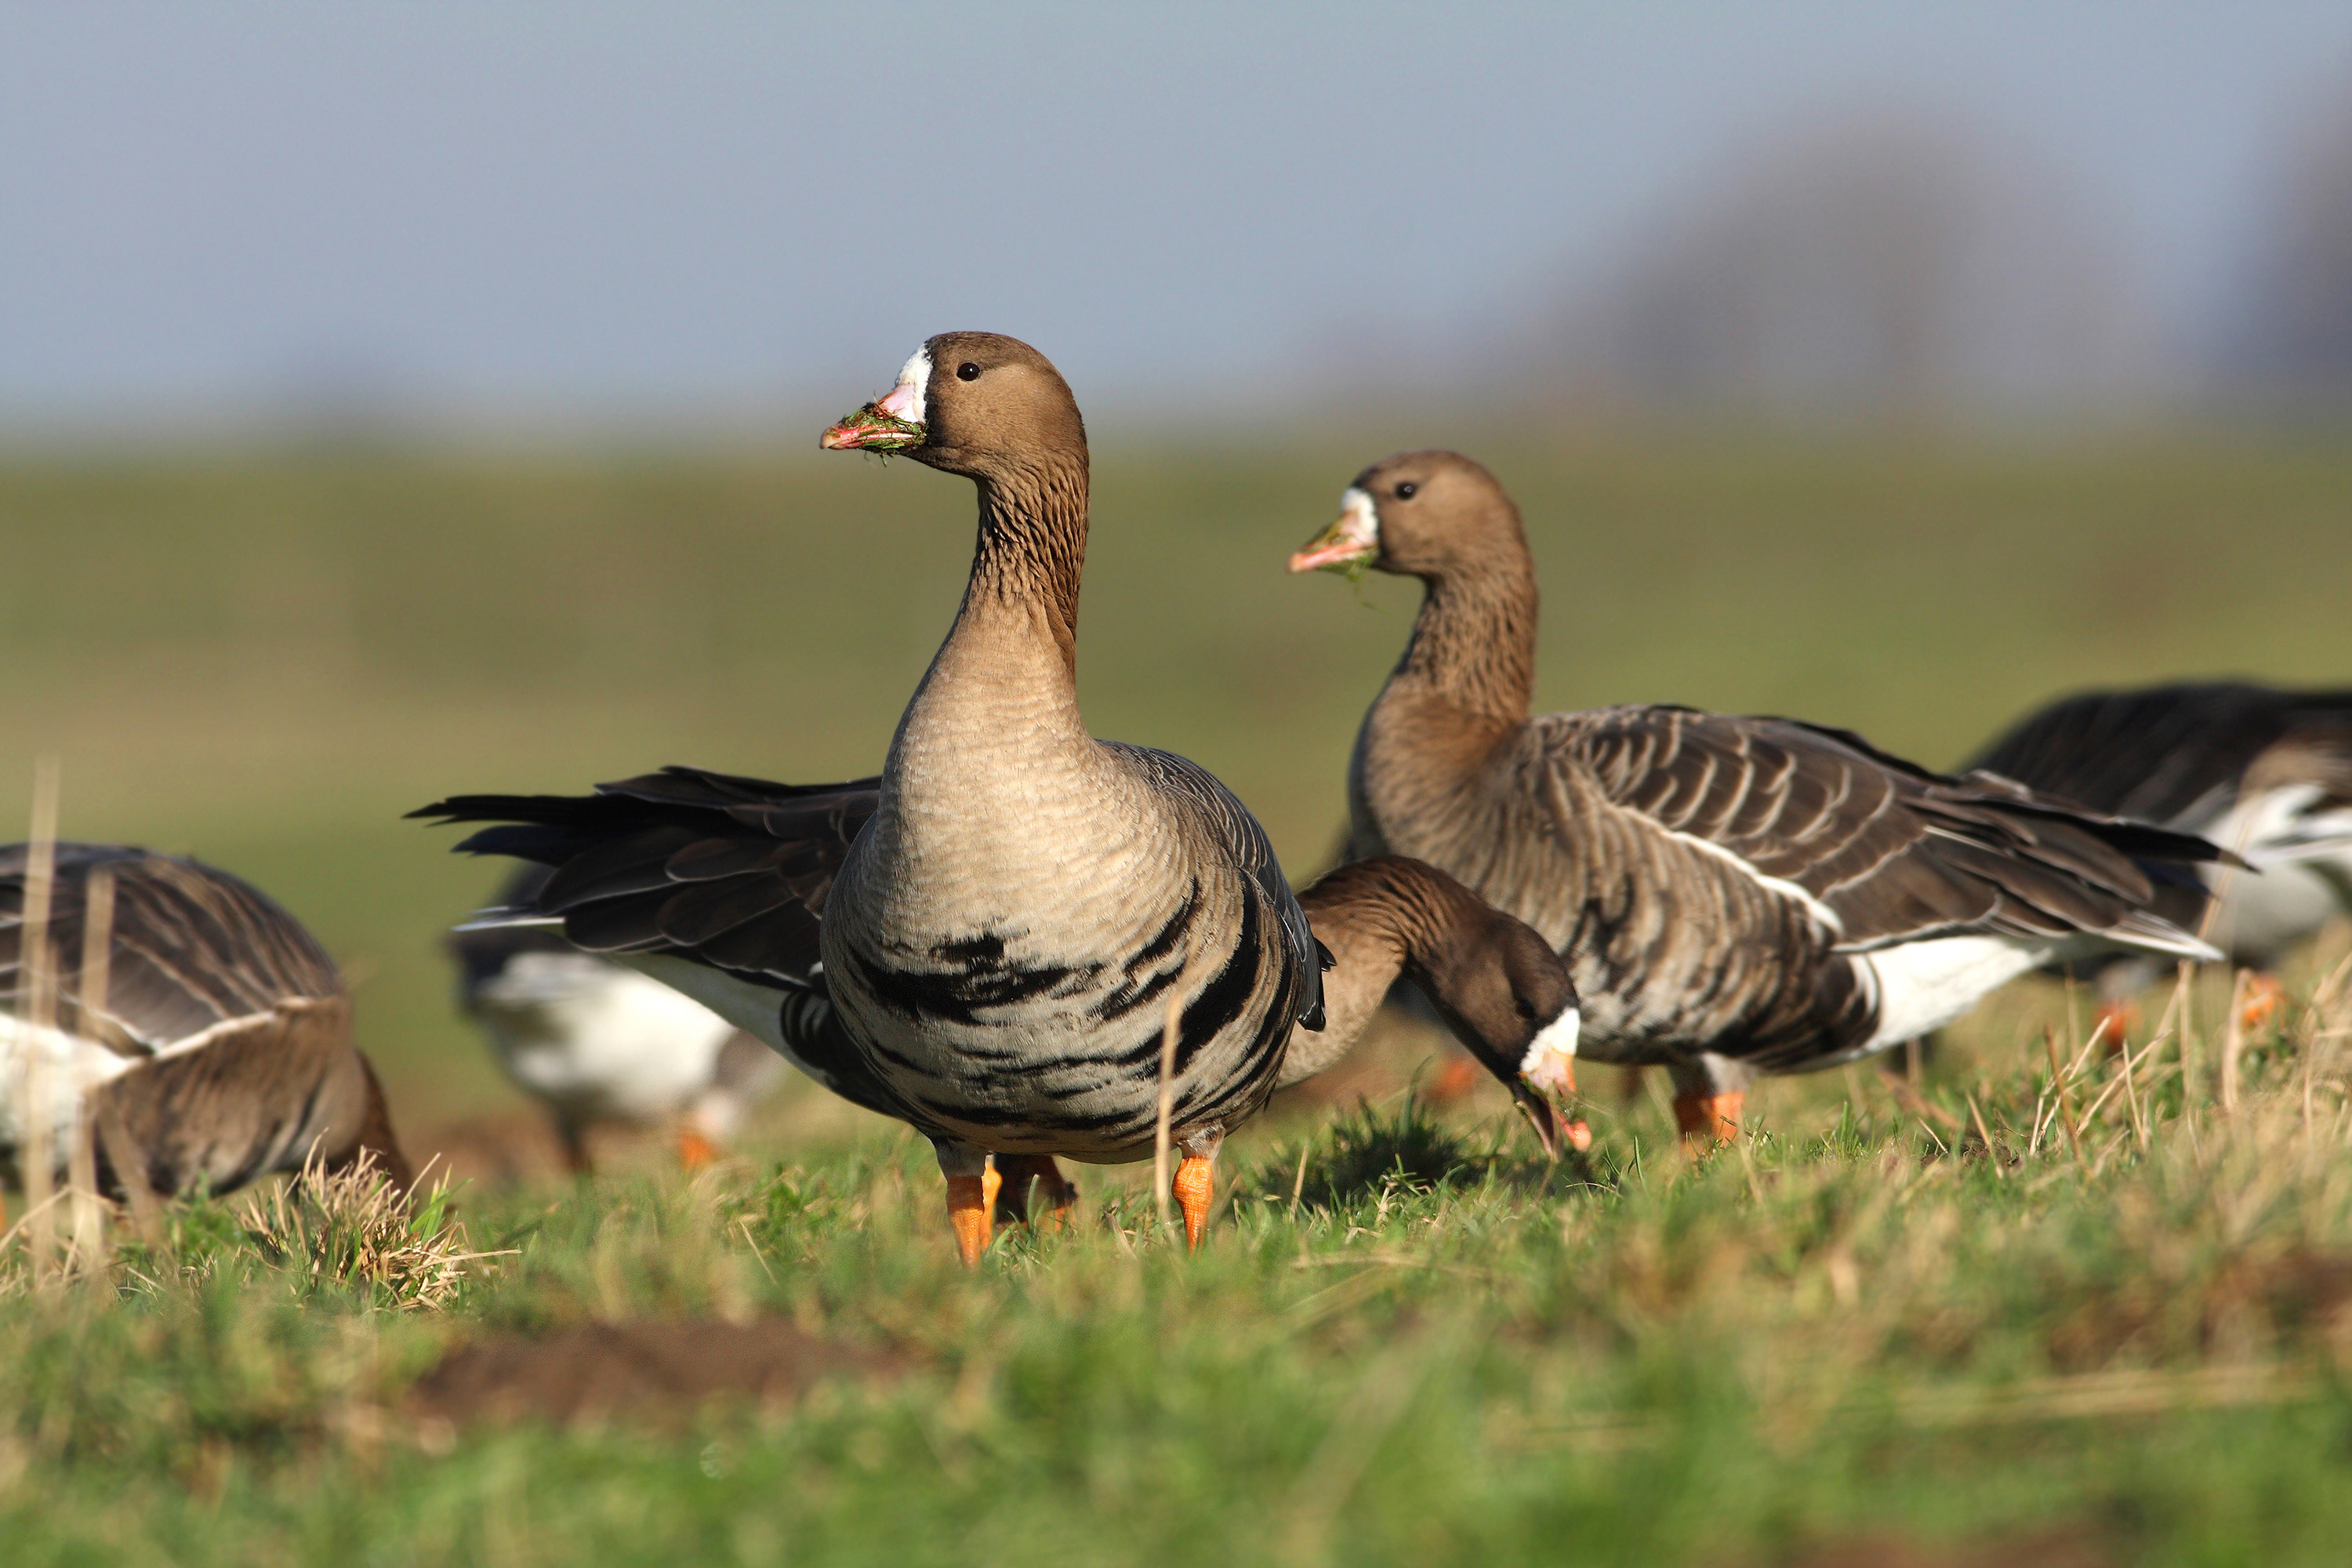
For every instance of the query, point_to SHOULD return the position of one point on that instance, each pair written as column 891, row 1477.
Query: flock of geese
column 1030, row 944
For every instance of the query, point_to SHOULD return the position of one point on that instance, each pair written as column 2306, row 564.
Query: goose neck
column 1028, row 560
column 1474, row 642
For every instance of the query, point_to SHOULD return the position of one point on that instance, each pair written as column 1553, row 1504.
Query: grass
column 2124, row 1327
column 1983, row 1322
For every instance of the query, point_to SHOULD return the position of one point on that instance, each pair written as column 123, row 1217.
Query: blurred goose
column 1733, row 895
column 216, row 1047
column 595, row 1042
column 2264, row 773
column 640, row 866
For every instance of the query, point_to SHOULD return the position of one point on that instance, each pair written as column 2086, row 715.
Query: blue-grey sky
column 576, row 206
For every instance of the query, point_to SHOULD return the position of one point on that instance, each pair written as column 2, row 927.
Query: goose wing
column 708, row 881
column 2166, row 753
column 1877, row 850
column 1237, row 835
column 190, row 949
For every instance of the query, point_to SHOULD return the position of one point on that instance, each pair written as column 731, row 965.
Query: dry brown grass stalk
column 352, row 1227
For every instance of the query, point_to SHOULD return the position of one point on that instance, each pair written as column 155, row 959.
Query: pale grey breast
column 1041, row 1031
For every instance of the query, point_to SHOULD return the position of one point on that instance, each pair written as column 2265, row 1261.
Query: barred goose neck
column 1029, row 558
column 1474, row 642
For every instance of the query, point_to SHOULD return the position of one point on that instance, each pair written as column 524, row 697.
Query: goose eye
column 1407, row 490
column 967, row 371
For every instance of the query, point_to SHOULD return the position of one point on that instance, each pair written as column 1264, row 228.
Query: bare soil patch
column 656, row 1372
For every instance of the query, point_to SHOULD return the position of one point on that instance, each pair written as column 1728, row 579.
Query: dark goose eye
column 967, row 371
column 1407, row 490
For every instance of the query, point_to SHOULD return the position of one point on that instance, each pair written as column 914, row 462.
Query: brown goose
column 221, row 1049
column 2266, row 772
column 597, row 1043
column 1733, row 895
column 1497, row 983
column 1010, row 925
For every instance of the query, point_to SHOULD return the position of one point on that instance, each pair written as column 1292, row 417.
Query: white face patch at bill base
column 1551, row 1062
column 905, row 399
column 1360, row 519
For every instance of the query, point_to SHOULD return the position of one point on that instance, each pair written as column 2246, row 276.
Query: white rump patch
column 905, row 400
column 1924, row 985
column 599, row 1038
column 1551, row 1061
column 69, row 1068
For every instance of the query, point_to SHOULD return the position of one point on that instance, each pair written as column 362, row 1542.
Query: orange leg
column 694, row 1150
column 1457, row 1077
column 1706, row 1120
column 972, row 1200
column 2120, row 1019
column 1194, row 1186
column 2265, row 999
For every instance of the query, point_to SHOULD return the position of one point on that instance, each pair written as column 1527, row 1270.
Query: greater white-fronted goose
column 718, row 885
column 206, row 1038
column 1733, row 895
column 1006, row 931
column 596, row 1042
column 2264, row 773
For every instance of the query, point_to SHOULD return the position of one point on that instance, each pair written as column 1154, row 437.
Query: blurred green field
column 2117, row 1329
column 265, row 658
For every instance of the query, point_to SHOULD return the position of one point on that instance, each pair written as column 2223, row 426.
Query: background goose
column 219, row 1047
column 1733, row 895
column 595, row 1042
column 1025, row 903
column 2264, row 773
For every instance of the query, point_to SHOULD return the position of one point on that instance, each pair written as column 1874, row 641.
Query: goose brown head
column 976, row 404
column 1417, row 514
column 1500, row 988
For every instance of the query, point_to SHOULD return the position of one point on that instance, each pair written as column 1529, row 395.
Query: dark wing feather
column 1238, row 833
column 1893, row 852
column 2173, row 754
column 718, row 869
column 191, row 947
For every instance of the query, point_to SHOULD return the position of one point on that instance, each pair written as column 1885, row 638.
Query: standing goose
column 1733, row 895
column 1013, row 921
column 595, row 1042
column 2264, row 773
column 221, row 1050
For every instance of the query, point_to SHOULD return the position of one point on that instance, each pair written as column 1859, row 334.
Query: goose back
column 222, row 1049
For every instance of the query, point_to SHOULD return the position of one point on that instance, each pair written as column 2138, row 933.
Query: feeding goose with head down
column 193, row 1029
column 2263, row 773
column 1733, row 895
column 1012, row 913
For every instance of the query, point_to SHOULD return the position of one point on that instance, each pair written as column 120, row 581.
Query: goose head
column 1507, row 997
column 976, row 404
column 1415, row 515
